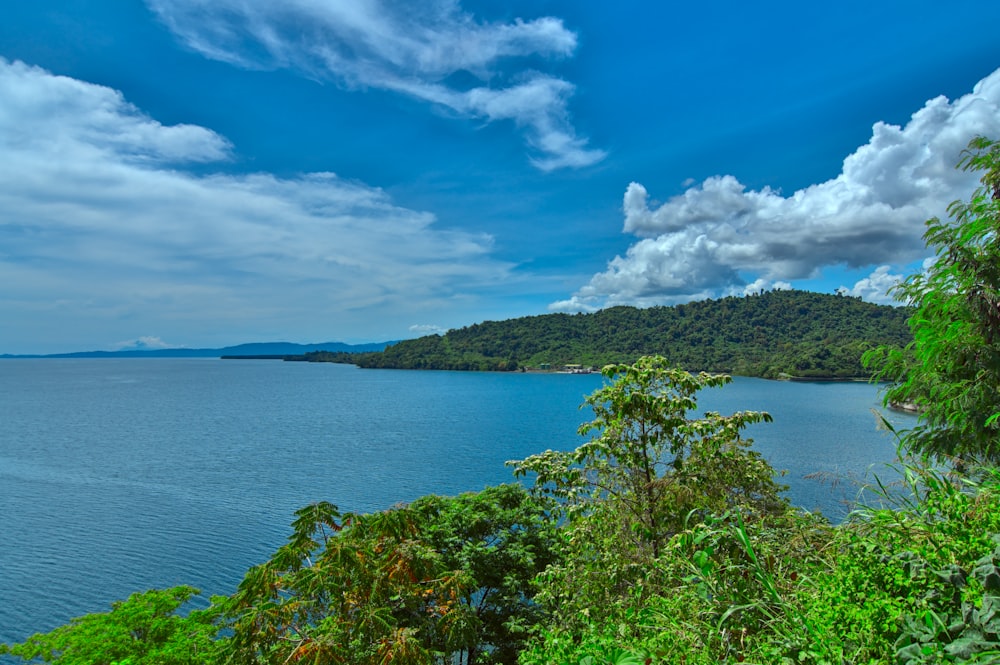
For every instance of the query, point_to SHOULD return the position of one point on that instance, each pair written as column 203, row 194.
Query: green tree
column 650, row 461
column 143, row 630
column 951, row 369
column 650, row 471
column 444, row 578
column 502, row 538
column 347, row 589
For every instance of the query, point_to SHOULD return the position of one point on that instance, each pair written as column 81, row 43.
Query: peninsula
column 774, row 334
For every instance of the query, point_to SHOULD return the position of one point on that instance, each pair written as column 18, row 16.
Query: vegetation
column 951, row 369
column 662, row 539
column 770, row 334
column 651, row 465
column 143, row 630
column 441, row 579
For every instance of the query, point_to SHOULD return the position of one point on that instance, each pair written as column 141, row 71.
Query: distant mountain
column 252, row 349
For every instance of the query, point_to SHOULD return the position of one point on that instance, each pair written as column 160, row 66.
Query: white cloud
column 423, row 329
column 143, row 343
column 56, row 116
column 98, row 221
column 411, row 48
column 758, row 285
column 875, row 287
column 708, row 240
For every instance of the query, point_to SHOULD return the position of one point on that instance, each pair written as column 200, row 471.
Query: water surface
column 118, row 475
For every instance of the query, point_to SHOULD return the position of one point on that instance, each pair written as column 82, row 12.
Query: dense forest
column 663, row 538
column 770, row 334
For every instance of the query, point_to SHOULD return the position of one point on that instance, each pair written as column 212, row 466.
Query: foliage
column 143, row 630
column 649, row 461
column 502, row 538
column 951, row 369
column 346, row 588
column 913, row 582
column 648, row 473
column 796, row 333
column 962, row 630
column 896, row 568
column 441, row 578
column 723, row 590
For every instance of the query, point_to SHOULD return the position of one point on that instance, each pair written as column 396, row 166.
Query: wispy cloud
column 708, row 240
column 410, row 48
column 427, row 329
column 99, row 219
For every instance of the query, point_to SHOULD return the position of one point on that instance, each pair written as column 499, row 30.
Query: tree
column 951, row 369
column 650, row 462
column 347, row 589
column 143, row 630
column 444, row 578
column 648, row 472
column 502, row 537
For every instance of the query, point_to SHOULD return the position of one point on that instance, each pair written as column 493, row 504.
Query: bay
column 118, row 475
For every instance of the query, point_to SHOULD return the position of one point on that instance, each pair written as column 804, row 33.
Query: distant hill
column 252, row 349
column 794, row 333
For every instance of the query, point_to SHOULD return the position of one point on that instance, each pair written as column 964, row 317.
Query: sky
column 193, row 173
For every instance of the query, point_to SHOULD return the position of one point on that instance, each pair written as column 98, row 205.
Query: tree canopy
column 441, row 579
column 795, row 333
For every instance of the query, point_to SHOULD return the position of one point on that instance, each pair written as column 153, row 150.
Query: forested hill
column 798, row 333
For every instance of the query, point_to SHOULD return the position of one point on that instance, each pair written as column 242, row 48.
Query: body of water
column 118, row 475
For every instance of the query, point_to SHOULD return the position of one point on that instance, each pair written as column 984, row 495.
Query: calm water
column 122, row 475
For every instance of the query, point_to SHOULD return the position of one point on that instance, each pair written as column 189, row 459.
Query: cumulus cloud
column 875, row 287
column 98, row 219
column 410, row 48
column 55, row 116
column 717, row 236
column 758, row 285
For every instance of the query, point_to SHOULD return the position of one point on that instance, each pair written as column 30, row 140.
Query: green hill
column 798, row 333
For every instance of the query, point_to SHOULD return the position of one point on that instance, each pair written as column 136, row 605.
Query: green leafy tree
column 444, row 578
column 951, row 369
column 143, row 630
column 649, row 471
column 650, row 461
column 502, row 538
column 347, row 589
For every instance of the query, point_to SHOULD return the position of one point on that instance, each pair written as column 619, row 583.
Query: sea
column 120, row 475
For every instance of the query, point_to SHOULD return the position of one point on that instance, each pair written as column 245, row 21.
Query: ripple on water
column 122, row 475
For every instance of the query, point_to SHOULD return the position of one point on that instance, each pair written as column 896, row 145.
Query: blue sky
column 190, row 173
